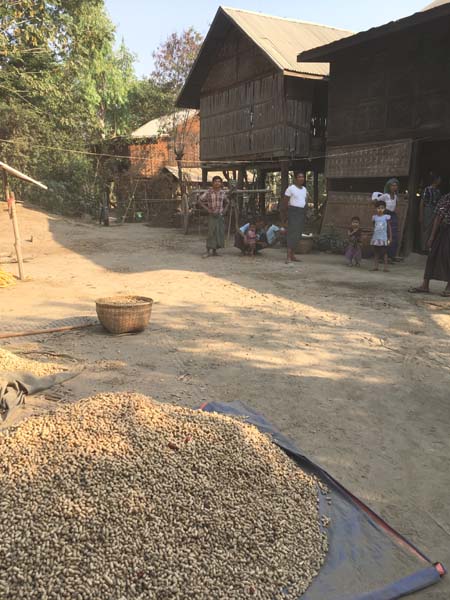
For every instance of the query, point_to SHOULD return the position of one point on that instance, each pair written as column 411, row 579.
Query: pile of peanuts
column 118, row 497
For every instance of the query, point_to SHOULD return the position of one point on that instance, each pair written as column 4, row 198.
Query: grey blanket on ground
column 15, row 386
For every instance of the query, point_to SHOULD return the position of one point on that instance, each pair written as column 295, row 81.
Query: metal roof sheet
column 282, row 39
column 435, row 4
column 437, row 10
column 162, row 125
column 193, row 174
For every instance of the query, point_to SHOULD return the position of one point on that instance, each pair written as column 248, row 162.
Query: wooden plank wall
column 247, row 110
column 243, row 120
column 394, row 88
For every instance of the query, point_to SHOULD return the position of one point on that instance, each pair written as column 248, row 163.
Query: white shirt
column 271, row 233
column 391, row 203
column 297, row 196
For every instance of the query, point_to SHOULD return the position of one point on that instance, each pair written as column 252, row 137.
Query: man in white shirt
column 295, row 201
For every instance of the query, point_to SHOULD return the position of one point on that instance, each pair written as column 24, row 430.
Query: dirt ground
column 344, row 361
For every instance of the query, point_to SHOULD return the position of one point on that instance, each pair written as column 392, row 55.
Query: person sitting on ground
column 250, row 239
column 438, row 262
column 382, row 235
column 261, row 238
column 353, row 253
column 274, row 234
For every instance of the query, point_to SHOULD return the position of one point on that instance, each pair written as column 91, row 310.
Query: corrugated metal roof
column 437, row 10
column 193, row 174
column 162, row 125
column 282, row 39
column 435, row 4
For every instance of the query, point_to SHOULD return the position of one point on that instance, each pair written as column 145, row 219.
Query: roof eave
column 304, row 75
column 327, row 52
column 183, row 100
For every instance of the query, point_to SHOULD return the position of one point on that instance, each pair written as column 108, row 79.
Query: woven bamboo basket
column 124, row 314
column 305, row 245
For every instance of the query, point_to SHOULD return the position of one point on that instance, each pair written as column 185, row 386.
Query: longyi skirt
column 438, row 263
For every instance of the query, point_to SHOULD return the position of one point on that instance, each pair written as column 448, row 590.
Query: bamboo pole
column 13, row 334
column 11, row 202
column 232, row 201
column 17, row 240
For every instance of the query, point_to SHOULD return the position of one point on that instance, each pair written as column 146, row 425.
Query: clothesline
column 354, row 152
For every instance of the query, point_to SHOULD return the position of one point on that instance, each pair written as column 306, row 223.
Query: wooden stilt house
column 259, row 108
column 388, row 115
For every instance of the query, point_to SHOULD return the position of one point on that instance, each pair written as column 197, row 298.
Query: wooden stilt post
column 262, row 195
column 408, row 237
column 316, row 190
column 204, row 177
column 239, row 198
column 11, row 201
column 284, row 186
column 284, row 176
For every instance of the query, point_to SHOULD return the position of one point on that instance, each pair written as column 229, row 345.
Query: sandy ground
column 354, row 369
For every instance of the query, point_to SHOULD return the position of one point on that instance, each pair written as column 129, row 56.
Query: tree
column 62, row 85
column 173, row 62
column 174, row 59
column 147, row 101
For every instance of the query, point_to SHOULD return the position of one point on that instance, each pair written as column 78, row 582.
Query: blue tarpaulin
column 367, row 559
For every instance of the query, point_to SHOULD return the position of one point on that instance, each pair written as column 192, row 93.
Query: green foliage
column 147, row 101
column 64, row 88
column 62, row 85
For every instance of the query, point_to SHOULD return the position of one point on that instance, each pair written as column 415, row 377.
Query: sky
column 144, row 24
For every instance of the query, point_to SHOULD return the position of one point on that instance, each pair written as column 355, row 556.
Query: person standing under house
column 353, row 254
column 438, row 262
column 382, row 235
column 216, row 202
column 390, row 197
column 428, row 203
column 295, row 201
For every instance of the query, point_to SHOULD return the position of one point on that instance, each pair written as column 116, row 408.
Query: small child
column 250, row 239
column 382, row 235
column 353, row 253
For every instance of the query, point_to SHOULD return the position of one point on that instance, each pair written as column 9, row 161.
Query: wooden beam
column 262, row 197
column 240, row 185
column 316, row 190
column 284, row 186
column 284, row 176
column 411, row 219
column 11, row 202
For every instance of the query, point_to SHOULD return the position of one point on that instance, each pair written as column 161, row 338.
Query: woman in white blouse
column 390, row 196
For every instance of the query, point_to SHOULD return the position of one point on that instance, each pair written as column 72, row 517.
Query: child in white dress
column 382, row 235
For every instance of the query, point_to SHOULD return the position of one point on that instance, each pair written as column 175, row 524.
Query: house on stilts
column 259, row 108
column 388, row 115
